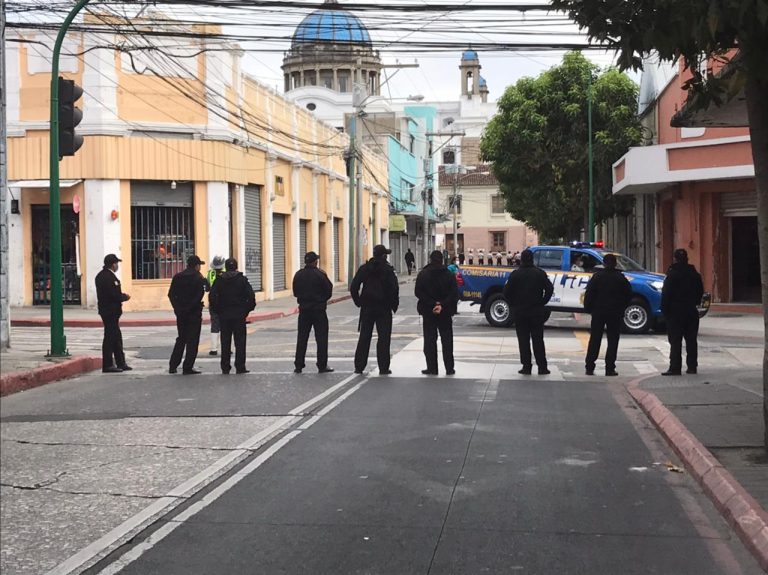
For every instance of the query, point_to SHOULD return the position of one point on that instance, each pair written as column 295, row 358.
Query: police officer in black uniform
column 527, row 291
column 186, row 295
column 438, row 297
column 233, row 299
column 607, row 296
column 379, row 299
column 110, row 299
column 312, row 290
column 680, row 296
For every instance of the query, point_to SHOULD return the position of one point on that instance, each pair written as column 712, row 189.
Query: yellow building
column 183, row 154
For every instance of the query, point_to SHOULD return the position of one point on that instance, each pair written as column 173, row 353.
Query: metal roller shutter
column 278, row 250
column 738, row 204
column 336, row 258
column 303, row 224
column 252, row 267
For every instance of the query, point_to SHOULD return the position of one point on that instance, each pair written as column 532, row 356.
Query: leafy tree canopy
column 538, row 144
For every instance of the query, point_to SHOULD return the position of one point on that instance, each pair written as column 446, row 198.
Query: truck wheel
column 497, row 311
column 637, row 317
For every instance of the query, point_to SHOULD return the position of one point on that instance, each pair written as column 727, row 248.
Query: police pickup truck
column 569, row 269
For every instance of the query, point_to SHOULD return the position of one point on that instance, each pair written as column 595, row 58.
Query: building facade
column 183, row 154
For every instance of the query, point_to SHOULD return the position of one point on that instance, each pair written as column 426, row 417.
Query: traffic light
column 69, row 117
column 430, row 196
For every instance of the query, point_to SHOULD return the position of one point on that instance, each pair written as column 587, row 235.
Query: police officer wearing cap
column 186, row 295
column 110, row 299
column 378, row 300
column 438, row 297
column 312, row 290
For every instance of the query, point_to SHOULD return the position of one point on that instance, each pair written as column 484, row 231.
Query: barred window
column 162, row 229
column 499, row 241
column 497, row 204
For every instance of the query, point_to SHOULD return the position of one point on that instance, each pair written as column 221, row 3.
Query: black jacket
column 409, row 257
column 109, row 294
column 312, row 288
column 435, row 283
column 232, row 296
column 186, row 292
column 608, row 292
column 528, row 287
column 682, row 291
column 381, row 291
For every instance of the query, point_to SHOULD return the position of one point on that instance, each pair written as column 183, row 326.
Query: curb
column 745, row 515
column 23, row 380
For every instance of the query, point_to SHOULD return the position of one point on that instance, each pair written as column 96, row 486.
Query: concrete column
column 102, row 233
column 16, row 253
column 218, row 219
column 269, row 254
column 315, row 213
column 100, row 87
column 296, row 256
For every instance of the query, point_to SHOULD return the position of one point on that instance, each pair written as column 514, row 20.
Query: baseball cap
column 380, row 250
column 194, row 261
column 110, row 259
column 311, row 257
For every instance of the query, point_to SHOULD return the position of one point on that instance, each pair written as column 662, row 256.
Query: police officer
column 528, row 290
column 379, row 299
column 110, row 298
column 312, row 290
column 438, row 297
column 217, row 268
column 680, row 296
column 606, row 297
column 233, row 299
column 186, row 295
column 410, row 259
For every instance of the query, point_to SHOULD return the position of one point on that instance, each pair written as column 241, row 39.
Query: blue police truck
column 569, row 269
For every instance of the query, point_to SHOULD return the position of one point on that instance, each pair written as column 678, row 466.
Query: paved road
column 485, row 472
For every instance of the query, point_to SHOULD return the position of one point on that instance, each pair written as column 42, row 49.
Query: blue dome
column 331, row 25
column 483, row 82
column 469, row 55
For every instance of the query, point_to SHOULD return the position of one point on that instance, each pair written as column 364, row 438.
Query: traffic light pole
column 58, row 340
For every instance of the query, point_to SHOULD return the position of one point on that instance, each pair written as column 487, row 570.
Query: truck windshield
column 626, row 264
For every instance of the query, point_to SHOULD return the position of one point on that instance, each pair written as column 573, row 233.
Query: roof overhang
column 42, row 184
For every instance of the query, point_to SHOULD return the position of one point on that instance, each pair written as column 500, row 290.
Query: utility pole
column 591, row 235
column 455, row 215
column 5, row 318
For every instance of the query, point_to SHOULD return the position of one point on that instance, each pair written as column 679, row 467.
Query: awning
column 42, row 184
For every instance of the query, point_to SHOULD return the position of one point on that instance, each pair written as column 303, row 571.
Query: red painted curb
column 22, row 380
column 743, row 513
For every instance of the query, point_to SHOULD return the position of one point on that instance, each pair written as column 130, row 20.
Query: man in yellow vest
column 217, row 268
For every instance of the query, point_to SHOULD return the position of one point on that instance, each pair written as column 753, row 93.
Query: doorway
column 41, row 257
column 745, row 260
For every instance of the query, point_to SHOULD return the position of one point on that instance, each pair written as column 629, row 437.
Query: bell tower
column 470, row 74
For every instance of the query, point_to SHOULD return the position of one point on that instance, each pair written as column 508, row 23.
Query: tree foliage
column 538, row 144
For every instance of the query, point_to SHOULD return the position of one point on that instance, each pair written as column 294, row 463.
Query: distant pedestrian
column 471, row 257
column 452, row 267
column 312, row 290
column 461, row 258
column 110, row 298
column 217, row 268
column 379, row 299
column 410, row 259
column 510, row 259
column 680, row 296
column 527, row 291
column 480, row 257
column 438, row 297
column 233, row 299
column 186, row 295
column 498, row 258
column 607, row 296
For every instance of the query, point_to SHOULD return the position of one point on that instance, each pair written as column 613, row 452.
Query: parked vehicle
column 484, row 285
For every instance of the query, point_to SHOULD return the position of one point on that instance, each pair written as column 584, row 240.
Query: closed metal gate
column 738, row 204
column 278, row 250
column 302, row 238
column 253, row 265
column 336, row 245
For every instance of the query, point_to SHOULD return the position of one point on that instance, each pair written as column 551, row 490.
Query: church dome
column 469, row 55
column 331, row 24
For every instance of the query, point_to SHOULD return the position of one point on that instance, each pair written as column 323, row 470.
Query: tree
column 699, row 33
column 538, row 144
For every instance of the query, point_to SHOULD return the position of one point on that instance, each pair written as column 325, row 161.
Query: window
column 449, row 157
column 499, row 241
column 326, row 79
column 162, row 229
column 343, row 78
column 311, row 106
column 548, row 259
column 279, row 186
column 411, row 143
column 497, row 204
column 406, row 188
column 588, row 261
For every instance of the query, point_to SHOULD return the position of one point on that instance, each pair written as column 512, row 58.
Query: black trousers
column 112, row 345
column 612, row 325
column 308, row 319
column 383, row 323
column 432, row 325
column 529, row 326
column 410, row 267
column 232, row 328
column 683, row 326
column 188, row 329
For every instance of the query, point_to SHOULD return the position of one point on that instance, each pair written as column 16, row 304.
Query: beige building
column 183, row 154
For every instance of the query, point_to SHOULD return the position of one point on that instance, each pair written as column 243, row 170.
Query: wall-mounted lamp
column 114, row 215
column 15, row 207
column 173, row 184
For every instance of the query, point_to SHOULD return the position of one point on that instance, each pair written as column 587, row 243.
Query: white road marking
column 645, row 367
